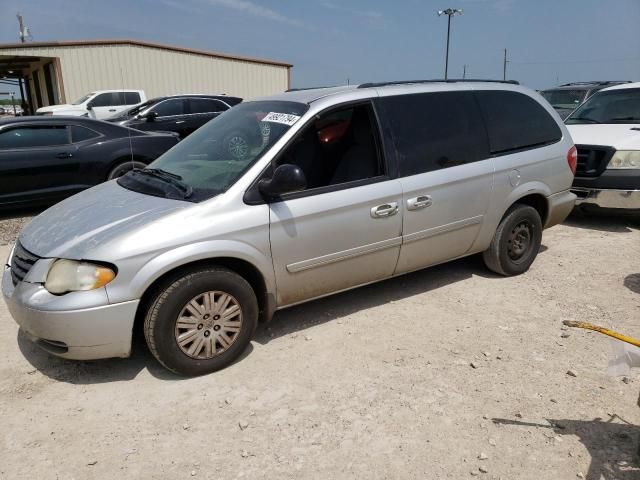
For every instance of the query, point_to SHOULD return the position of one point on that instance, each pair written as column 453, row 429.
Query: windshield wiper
column 586, row 119
column 621, row 119
column 171, row 178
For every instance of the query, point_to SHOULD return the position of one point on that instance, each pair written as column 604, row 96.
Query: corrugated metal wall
column 157, row 71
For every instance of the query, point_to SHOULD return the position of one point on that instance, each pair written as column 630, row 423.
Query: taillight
column 572, row 159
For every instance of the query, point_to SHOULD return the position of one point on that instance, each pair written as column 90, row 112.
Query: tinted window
column 174, row 106
column 25, row 137
column 564, row 98
column 338, row 147
column 103, row 100
column 435, row 130
column 206, row 105
column 516, row 121
column 131, row 98
column 78, row 134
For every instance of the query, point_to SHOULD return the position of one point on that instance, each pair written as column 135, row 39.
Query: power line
column 618, row 60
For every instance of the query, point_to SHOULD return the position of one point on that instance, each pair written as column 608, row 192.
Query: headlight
column 72, row 276
column 625, row 159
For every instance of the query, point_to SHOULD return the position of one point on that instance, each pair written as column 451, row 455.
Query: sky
column 333, row 42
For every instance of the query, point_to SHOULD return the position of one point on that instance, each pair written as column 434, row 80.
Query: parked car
column 606, row 129
column 182, row 114
column 99, row 104
column 202, row 244
column 566, row 98
column 45, row 159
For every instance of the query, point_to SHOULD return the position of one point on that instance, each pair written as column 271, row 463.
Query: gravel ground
column 447, row 373
column 10, row 228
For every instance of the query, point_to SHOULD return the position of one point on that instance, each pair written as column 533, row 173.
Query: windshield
column 609, row 106
column 214, row 157
column 83, row 99
column 564, row 98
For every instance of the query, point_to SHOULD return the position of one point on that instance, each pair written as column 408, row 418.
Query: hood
column 617, row 135
column 58, row 108
column 77, row 226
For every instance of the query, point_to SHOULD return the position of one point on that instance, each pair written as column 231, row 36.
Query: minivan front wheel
column 516, row 242
column 202, row 321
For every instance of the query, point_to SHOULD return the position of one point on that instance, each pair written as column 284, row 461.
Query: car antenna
column 128, row 128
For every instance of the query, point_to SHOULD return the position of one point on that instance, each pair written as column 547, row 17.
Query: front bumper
column 608, row 198
column 85, row 333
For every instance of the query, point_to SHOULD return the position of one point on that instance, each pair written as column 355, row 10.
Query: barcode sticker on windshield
column 284, row 118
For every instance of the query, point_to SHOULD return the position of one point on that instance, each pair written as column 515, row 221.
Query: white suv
column 100, row 104
column 606, row 129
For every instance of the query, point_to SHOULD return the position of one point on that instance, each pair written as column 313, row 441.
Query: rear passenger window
column 435, row 130
column 131, row 98
column 78, row 134
column 206, row 105
column 516, row 121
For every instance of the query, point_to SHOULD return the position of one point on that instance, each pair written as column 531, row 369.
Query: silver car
column 286, row 199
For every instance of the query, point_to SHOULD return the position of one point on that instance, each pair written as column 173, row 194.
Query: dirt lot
column 451, row 372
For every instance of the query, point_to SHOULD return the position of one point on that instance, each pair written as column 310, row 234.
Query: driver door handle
column 385, row 210
column 419, row 202
column 178, row 122
column 112, row 109
column 64, row 155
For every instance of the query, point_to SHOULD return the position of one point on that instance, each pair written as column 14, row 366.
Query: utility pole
column 464, row 71
column 504, row 66
column 24, row 31
column 449, row 12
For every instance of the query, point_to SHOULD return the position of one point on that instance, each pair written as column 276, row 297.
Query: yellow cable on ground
column 605, row 331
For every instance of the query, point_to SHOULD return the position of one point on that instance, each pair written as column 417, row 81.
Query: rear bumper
column 102, row 331
column 608, row 198
column 560, row 206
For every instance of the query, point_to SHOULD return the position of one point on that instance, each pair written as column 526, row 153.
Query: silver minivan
column 286, row 199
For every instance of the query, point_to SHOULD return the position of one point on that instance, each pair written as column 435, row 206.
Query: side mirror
column 90, row 106
column 151, row 116
column 287, row 178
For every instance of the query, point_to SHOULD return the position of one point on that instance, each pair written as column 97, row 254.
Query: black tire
column 124, row 167
column 160, row 324
column 516, row 242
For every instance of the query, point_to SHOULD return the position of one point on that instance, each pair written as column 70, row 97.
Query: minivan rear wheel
column 202, row 321
column 516, row 242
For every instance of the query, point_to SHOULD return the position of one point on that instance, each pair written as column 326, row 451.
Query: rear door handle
column 419, row 202
column 385, row 210
column 112, row 109
column 64, row 155
column 178, row 122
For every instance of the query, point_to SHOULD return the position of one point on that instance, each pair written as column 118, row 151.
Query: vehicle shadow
column 604, row 220
column 96, row 371
column 632, row 282
column 613, row 446
column 327, row 309
column 9, row 214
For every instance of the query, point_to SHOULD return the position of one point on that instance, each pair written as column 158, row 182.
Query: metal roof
column 89, row 43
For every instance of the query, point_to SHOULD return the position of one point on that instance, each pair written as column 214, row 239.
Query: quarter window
column 516, row 121
column 435, row 130
column 34, row 136
column 79, row 134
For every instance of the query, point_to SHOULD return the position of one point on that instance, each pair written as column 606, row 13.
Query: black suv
column 182, row 114
column 566, row 98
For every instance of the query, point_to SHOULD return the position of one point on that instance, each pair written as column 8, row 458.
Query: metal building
column 51, row 73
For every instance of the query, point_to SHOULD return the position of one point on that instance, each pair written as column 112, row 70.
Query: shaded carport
column 37, row 78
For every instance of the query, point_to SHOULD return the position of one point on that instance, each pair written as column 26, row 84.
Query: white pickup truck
column 100, row 104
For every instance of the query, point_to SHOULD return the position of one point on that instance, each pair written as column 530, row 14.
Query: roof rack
column 449, row 80
column 595, row 82
column 308, row 88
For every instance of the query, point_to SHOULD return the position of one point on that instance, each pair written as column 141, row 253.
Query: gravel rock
column 10, row 229
column 571, row 373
